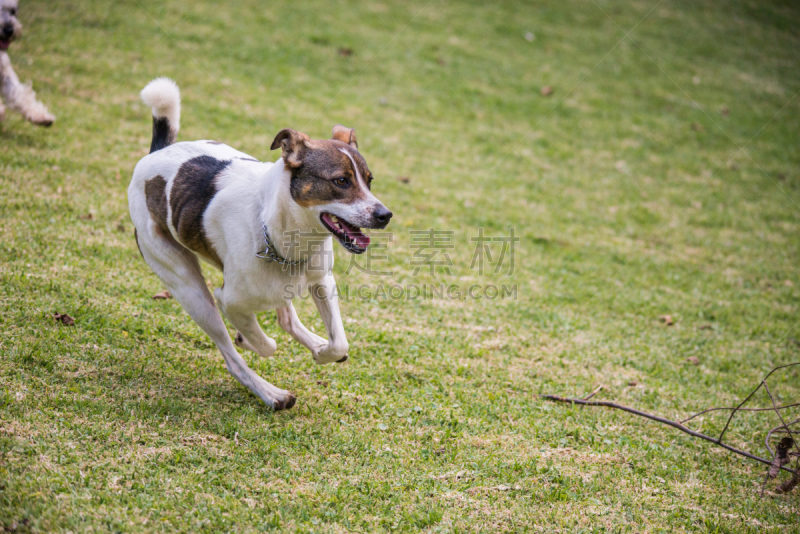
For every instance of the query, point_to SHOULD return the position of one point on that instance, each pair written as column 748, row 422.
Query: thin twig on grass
column 780, row 457
column 730, row 408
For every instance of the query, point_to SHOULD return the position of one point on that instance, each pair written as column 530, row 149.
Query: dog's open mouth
column 4, row 44
column 350, row 236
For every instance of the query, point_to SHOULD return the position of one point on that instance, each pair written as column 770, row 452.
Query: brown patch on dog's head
column 324, row 170
column 345, row 135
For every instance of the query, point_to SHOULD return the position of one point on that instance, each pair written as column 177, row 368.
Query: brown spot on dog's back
column 192, row 190
column 156, row 198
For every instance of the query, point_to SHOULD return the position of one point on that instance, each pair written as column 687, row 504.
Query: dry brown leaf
column 64, row 318
column 781, row 456
column 87, row 217
column 163, row 295
column 633, row 383
column 345, row 51
column 547, row 90
column 790, row 484
column 694, row 360
column 403, row 179
column 666, row 319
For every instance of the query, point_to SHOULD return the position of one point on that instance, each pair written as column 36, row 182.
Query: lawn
column 632, row 159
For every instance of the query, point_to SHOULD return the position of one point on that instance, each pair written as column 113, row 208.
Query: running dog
column 267, row 226
column 17, row 96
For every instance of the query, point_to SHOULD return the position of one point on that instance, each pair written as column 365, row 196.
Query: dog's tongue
column 4, row 44
column 360, row 239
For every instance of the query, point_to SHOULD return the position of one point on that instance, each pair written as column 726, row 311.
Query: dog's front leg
column 289, row 321
column 20, row 96
column 250, row 336
column 327, row 301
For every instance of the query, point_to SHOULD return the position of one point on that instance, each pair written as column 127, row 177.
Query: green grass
column 660, row 177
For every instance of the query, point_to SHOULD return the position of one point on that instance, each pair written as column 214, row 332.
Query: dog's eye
column 13, row 12
column 340, row 181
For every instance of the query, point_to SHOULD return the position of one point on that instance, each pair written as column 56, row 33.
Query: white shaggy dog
column 267, row 226
column 17, row 96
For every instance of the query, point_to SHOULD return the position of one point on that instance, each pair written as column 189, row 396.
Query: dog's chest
column 271, row 285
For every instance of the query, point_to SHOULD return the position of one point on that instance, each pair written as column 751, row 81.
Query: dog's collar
column 270, row 253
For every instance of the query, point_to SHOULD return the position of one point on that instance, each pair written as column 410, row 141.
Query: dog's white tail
column 164, row 97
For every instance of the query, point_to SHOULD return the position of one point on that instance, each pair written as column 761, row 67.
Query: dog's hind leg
column 20, row 96
column 179, row 270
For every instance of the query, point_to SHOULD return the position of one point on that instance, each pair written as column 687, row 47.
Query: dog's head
column 10, row 27
column 331, row 178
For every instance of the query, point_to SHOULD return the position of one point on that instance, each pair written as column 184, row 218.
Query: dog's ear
column 293, row 145
column 345, row 135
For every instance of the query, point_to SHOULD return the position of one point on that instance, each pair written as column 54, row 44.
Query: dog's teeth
column 334, row 218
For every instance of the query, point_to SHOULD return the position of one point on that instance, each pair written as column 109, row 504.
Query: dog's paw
column 37, row 113
column 44, row 119
column 330, row 354
column 285, row 403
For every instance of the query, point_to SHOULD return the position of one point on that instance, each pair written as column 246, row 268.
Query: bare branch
column 593, row 393
column 768, row 409
column 763, row 382
column 787, row 449
column 666, row 421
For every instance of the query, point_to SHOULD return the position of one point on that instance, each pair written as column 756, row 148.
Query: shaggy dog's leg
column 20, row 96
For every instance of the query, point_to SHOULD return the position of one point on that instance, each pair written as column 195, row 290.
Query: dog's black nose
column 382, row 215
column 8, row 30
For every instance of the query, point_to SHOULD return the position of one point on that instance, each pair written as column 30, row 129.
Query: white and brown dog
column 17, row 96
column 267, row 226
